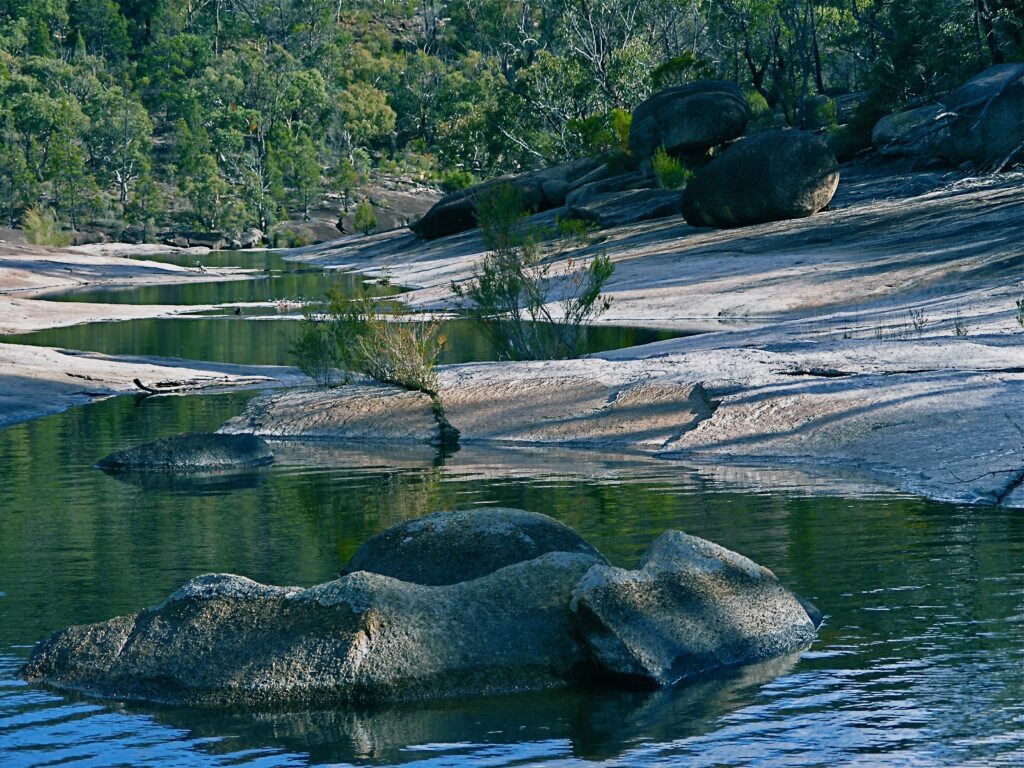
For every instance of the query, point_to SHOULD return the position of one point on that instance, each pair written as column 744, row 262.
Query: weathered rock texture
column 373, row 412
column 688, row 118
column 449, row 547
column 546, row 406
column 692, row 607
column 631, row 207
column 193, row 451
column 361, row 638
column 989, row 125
column 773, row 176
column 914, row 133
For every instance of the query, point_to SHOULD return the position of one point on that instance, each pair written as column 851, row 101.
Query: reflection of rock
column 599, row 724
column 192, row 451
column 449, row 547
column 773, row 176
column 191, row 483
column 692, row 607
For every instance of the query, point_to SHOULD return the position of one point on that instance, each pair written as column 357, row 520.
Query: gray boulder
column 988, row 128
column 692, row 607
column 630, row 207
column 450, row 547
column 914, row 133
column 773, row 176
column 540, row 191
column 363, row 638
column 689, row 118
column 192, row 451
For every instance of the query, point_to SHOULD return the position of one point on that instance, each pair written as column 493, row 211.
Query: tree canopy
column 227, row 114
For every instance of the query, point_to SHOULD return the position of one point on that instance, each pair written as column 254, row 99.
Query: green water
column 266, row 341
column 919, row 662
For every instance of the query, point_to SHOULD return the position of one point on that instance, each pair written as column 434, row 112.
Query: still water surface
column 920, row 662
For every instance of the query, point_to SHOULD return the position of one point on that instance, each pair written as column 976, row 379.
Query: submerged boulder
column 689, row 118
column 988, row 128
column 773, row 176
column 363, row 638
column 692, row 607
column 192, row 451
column 449, row 547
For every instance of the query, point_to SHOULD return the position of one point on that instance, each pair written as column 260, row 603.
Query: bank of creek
column 919, row 660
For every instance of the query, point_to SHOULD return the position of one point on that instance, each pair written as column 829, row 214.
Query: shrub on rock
column 688, row 118
column 773, row 176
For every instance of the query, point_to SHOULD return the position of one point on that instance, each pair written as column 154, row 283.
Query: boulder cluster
column 981, row 123
column 454, row 603
column 775, row 175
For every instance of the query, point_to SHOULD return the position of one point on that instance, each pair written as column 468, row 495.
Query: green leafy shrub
column 42, row 228
column 316, row 353
column 366, row 219
column 756, row 103
column 1020, row 312
column 456, row 181
column 669, row 171
column 512, row 291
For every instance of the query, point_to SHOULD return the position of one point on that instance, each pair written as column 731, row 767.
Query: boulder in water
column 449, row 547
column 193, row 451
column 692, row 607
column 689, row 119
column 773, row 176
column 366, row 638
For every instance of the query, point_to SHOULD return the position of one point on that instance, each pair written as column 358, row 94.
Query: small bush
column 512, row 291
column 1020, row 312
column 42, row 228
column 316, row 353
column 366, row 219
column 456, row 181
column 577, row 230
column 756, row 103
column 669, row 171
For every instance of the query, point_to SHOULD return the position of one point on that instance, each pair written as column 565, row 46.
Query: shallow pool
column 920, row 662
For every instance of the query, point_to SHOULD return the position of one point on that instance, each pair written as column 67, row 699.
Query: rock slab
column 450, row 547
column 773, row 176
column 692, row 607
column 989, row 125
column 192, row 451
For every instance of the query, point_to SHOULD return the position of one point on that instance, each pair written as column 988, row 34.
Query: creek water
column 920, row 661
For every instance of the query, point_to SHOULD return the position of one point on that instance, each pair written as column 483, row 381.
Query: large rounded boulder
column 194, row 451
column 692, row 607
column 689, row 119
column 772, row 176
column 988, row 128
column 451, row 547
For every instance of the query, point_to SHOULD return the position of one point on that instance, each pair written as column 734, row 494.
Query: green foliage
column 316, row 353
column 366, row 219
column 531, row 309
column 679, row 70
column 457, row 180
column 756, row 103
column 1020, row 312
column 42, row 227
column 669, row 170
